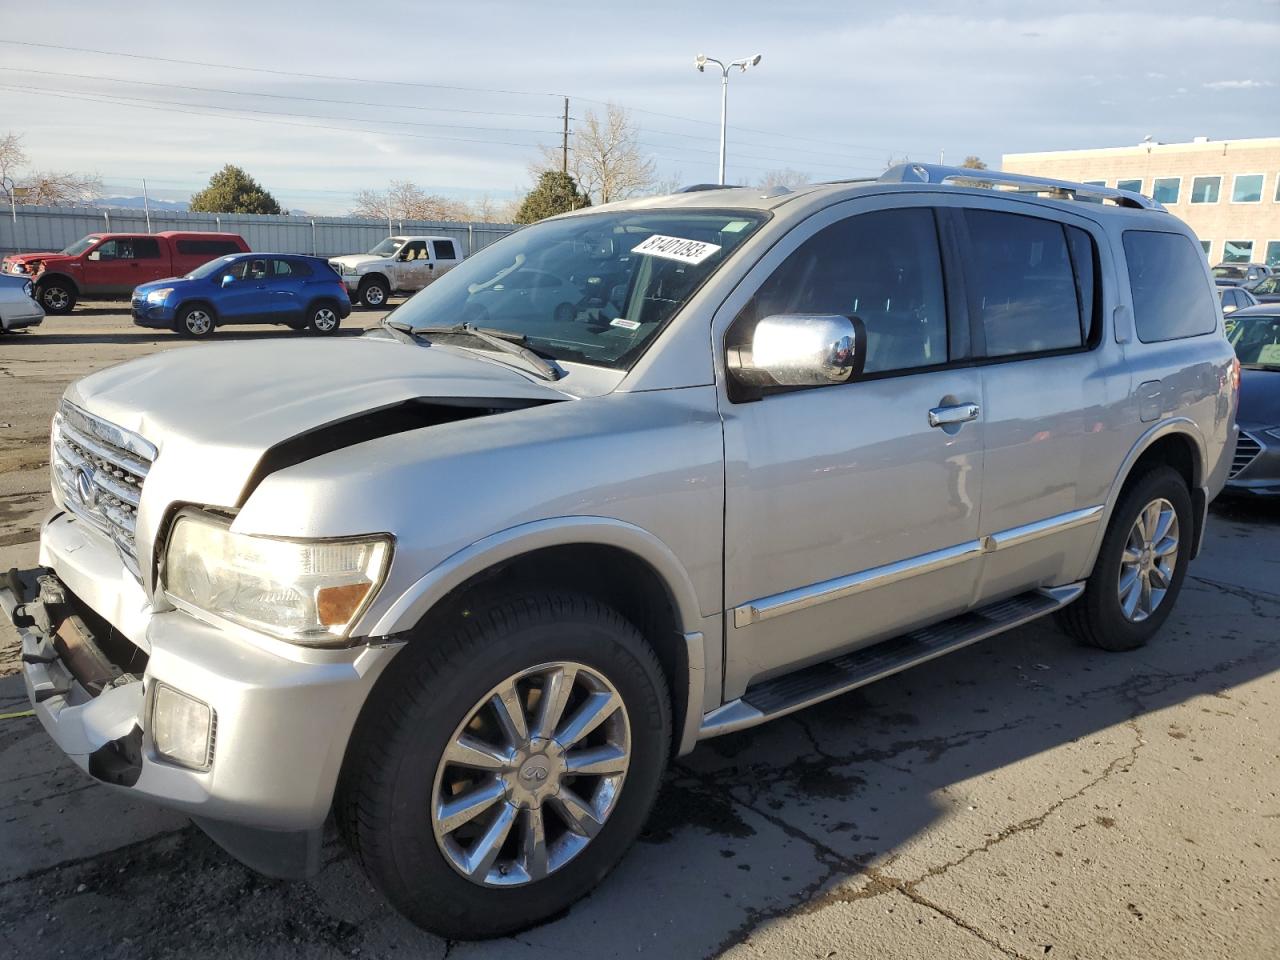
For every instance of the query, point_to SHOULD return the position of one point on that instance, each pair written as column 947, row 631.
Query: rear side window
column 211, row 248
column 146, row 248
column 1170, row 297
column 445, row 250
column 883, row 267
column 1023, row 286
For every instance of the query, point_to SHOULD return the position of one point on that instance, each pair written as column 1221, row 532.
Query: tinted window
column 1247, row 188
column 1170, row 297
column 1205, row 189
column 282, row 268
column 882, row 267
column 1165, row 189
column 445, row 250
column 257, row 270
column 1022, row 287
column 211, row 248
column 146, row 248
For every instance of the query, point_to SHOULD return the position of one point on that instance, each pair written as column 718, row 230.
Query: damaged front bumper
column 279, row 724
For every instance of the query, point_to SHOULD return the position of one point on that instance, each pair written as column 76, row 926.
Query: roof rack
column 1017, row 182
column 699, row 187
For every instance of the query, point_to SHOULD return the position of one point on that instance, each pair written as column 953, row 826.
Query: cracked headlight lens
column 308, row 592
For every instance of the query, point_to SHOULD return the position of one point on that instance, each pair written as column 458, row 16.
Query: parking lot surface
column 1024, row 797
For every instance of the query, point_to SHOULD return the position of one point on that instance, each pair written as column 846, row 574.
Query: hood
column 359, row 260
column 1259, row 398
column 214, row 411
column 142, row 289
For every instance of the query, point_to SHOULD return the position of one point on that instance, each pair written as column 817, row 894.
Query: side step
column 794, row 691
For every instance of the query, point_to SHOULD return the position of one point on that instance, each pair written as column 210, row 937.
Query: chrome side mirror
column 801, row 350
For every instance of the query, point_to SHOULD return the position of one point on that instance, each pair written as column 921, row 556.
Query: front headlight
column 308, row 592
column 349, row 269
column 157, row 296
column 29, row 290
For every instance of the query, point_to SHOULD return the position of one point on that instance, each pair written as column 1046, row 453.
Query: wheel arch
column 197, row 302
column 62, row 277
column 376, row 275
column 1177, row 443
column 618, row 563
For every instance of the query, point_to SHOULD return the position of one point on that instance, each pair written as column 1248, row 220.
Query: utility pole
column 564, row 147
column 146, row 203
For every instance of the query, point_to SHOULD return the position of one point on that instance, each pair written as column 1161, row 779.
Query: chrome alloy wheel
column 325, row 319
column 198, row 322
column 56, row 298
column 1149, row 559
column 531, row 775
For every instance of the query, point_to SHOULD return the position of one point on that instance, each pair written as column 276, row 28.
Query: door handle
column 959, row 413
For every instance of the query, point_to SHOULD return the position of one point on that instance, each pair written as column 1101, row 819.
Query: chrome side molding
column 802, row 598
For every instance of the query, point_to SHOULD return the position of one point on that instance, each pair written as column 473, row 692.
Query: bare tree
column 784, row 177
column 403, row 200
column 605, row 157
column 488, row 210
column 46, row 188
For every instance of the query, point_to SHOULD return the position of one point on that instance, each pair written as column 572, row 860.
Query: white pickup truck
column 397, row 264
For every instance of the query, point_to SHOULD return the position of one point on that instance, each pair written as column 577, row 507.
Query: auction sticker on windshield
column 676, row 248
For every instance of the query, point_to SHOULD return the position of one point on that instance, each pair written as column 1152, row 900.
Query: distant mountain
column 137, row 203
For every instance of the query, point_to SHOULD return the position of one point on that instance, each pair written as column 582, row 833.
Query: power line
column 301, row 116
column 282, row 96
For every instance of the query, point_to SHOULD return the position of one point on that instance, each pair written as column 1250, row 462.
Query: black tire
column 323, row 319
column 57, row 296
column 384, row 796
column 374, row 292
column 1097, row 618
column 195, row 321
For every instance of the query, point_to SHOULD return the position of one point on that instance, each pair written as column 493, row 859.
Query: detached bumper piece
column 86, row 700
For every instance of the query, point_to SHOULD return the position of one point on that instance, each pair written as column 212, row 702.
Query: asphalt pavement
column 1024, row 797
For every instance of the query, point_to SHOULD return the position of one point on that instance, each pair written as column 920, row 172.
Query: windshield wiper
column 400, row 330
column 511, row 343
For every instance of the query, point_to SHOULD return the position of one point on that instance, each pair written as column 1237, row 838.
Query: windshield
column 81, row 245
column 1257, row 341
column 387, row 247
column 210, row 268
column 594, row 288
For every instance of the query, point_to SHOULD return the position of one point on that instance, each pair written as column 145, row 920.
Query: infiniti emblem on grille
column 86, row 488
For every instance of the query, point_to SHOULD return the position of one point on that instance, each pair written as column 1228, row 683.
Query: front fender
column 516, row 541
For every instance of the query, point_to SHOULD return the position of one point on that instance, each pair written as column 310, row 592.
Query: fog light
column 182, row 728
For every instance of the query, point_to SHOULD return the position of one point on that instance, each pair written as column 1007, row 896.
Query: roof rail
column 1018, row 182
column 699, row 187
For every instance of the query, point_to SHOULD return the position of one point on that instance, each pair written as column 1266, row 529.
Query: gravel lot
column 1021, row 798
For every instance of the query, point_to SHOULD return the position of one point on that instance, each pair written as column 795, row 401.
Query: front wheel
column 374, row 292
column 56, row 296
column 195, row 321
column 501, row 771
column 323, row 319
column 1140, row 567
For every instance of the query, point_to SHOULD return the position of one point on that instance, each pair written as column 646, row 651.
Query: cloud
column 1238, row 84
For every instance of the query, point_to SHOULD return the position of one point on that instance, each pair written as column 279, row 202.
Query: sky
column 318, row 101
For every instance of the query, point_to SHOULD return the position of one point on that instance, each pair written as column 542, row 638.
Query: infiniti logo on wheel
column 534, row 771
column 86, row 488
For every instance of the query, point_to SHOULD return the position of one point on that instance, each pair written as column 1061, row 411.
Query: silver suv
column 469, row 581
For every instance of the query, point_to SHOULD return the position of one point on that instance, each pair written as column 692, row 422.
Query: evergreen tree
column 231, row 190
column 556, row 192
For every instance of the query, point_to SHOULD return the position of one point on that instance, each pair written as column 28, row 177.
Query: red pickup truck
column 110, row 265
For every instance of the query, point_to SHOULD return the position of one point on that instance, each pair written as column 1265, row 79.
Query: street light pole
column 701, row 62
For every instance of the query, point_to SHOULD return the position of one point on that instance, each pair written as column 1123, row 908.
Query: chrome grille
column 1247, row 450
column 99, row 469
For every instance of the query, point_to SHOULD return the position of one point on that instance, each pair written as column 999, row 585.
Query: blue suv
column 301, row 292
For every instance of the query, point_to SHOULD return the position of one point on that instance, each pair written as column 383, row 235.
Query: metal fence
column 28, row 229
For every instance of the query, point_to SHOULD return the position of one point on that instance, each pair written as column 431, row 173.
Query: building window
column 1133, row 185
column 1247, row 188
column 1207, row 245
column 1166, row 189
column 1205, row 189
column 1097, row 183
column 1237, row 251
column 1273, row 253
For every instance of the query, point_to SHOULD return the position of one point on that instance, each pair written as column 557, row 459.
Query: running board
column 794, row 691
